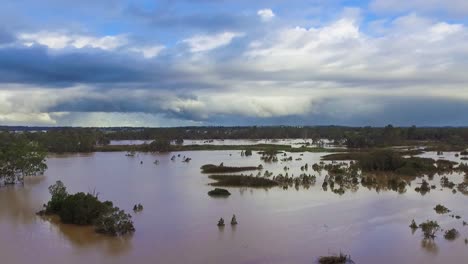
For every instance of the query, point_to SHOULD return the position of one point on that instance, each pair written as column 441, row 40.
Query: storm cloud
column 234, row 63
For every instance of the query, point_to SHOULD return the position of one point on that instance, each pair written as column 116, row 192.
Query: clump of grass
column 340, row 259
column 413, row 225
column 440, row 209
column 242, row 181
column 451, row 234
column 210, row 168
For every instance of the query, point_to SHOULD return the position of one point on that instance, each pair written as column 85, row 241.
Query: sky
column 233, row 62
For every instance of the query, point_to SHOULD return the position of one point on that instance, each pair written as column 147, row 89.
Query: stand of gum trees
column 19, row 157
column 61, row 140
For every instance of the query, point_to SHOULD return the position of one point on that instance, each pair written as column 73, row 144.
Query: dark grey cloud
column 37, row 65
column 104, row 69
column 421, row 111
column 6, row 37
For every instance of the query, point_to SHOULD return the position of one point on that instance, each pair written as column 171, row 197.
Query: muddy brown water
column 178, row 223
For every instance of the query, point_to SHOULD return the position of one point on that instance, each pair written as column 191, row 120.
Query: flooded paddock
column 178, row 223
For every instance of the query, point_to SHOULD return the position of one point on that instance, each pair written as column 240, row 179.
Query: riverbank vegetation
column 86, row 209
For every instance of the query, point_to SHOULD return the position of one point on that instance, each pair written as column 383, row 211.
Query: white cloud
column 202, row 43
column 411, row 49
column 55, row 40
column 266, row 14
column 149, row 51
column 63, row 41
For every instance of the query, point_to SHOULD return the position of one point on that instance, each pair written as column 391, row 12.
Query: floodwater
column 178, row 223
column 229, row 142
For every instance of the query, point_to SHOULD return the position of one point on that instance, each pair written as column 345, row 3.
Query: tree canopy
column 19, row 157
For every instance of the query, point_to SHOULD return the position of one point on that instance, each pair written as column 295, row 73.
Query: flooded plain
column 295, row 143
column 178, row 223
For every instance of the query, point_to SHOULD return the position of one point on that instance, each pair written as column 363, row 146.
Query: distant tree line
column 87, row 139
column 62, row 140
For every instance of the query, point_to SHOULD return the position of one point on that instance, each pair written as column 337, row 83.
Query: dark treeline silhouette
column 86, row 139
column 61, row 140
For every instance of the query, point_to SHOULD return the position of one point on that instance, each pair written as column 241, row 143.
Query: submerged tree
column 19, row 158
column 114, row 222
column 429, row 229
column 86, row 209
column 160, row 145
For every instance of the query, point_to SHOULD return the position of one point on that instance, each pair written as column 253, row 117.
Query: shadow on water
column 16, row 203
column 84, row 237
column 430, row 246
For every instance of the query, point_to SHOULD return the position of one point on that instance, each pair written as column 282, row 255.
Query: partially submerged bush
column 446, row 183
column 219, row 192
column 86, row 209
column 429, row 229
column 424, row 188
column 389, row 160
column 248, row 152
column 340, row 259
column 82, row 209
column 451, row 234
column 241, row 181
column 440, row 209
column 413, row 225
column 114, row 222
column 445, row 164
column 138, row 208
column 463, row 188
column 210, row 168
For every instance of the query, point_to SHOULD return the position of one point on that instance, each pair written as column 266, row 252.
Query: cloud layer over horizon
column 177, row 63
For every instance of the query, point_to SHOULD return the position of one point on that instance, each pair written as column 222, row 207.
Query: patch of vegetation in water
column 241, row 181
column 388, row 160
column 338, row 259
column 463, row 188
column 137, row 208
column 211, row 168
column 451, row 234
column 429, row 229
column 446, row 183
column 440, row 209
column 445, row 164
column 344, row 156
column 86, row 209
column 219, row 192
column 424, row 188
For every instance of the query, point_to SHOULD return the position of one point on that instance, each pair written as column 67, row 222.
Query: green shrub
column 86, row 209
column 114, row 222
column 429, row 229
column 82, row 209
